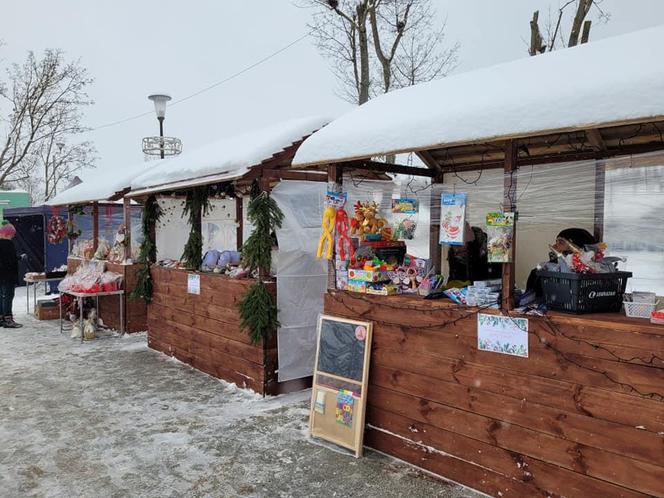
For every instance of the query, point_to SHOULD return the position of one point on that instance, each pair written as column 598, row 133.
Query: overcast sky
column 133, row 48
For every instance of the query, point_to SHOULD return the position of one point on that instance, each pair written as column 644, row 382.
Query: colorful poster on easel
column 340, row 383
column 500, row 236
column 344, row 411
column 452, row 219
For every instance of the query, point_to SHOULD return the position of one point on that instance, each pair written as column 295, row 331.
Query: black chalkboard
column 341, row 350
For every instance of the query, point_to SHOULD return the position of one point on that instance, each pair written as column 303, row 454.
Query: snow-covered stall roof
column 597, row 84
column 102, row 184
column 226, row 159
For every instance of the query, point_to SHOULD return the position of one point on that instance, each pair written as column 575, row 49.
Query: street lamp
column 161, row 145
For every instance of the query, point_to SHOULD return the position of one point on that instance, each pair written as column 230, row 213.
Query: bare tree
column 579, row 30
column 375, row 46
column 43, row 101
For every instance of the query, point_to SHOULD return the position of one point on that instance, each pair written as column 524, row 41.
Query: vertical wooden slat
column 509, row 205
column 435, row 250
column 95, row 225
column 126, row 205
column 600, row 190
column 239, row 219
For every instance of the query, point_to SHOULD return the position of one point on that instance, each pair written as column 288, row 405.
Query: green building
column 13, row 199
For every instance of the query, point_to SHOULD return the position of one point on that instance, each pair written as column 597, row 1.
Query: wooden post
column 335, row 174
column 239, row 220
column 126, row 205
column 95, row 226
column 435, row 250
column 264, row 184
column 509, row 205
column 600, row 189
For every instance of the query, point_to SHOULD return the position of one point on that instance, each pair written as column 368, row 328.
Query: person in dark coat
column 8, row 274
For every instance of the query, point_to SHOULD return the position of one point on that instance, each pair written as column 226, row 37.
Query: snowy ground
column 111, row 418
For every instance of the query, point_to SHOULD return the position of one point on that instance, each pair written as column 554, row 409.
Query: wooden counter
column 582, row 416
column 135, row 309
column 204, row 330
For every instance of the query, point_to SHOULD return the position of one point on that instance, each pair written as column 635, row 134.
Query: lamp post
column 160, row 100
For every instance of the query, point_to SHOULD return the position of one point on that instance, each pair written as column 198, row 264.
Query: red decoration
column 57, row 230
column 342, row 226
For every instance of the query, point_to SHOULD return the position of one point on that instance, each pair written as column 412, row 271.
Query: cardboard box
column 356, row 286
column 47, row 310
column 368, row 275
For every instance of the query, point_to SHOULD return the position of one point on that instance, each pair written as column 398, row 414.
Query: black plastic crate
column 584, row 292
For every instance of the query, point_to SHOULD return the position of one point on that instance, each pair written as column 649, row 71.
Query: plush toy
column 366, row 220
column 329, row 218
column 342, row 226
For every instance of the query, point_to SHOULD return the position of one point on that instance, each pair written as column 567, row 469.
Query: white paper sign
column 502, row 334
column 193, row 283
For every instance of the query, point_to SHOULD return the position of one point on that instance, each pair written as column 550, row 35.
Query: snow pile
column 228, row 158
column 602, row 82
column 103, row 184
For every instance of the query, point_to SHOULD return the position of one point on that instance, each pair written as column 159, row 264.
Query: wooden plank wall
column 204, row 330
column 583, row 416
column 135, row 310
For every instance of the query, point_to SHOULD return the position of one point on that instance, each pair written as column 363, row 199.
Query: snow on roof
column 607, row 81
column 228, row 158
column 102, row 184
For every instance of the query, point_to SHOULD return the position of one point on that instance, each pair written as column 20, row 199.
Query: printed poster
column 502, row 334
column 452, row 219
column 194, row 283
column 405, row 205
column 500, row 234
column 344, row 410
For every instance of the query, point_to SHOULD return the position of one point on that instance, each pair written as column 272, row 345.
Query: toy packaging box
column 368, row 275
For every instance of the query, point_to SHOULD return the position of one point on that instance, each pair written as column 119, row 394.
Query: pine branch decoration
column 196, row 206
column 258, row 308
column 148, row 250
column 265, row 215
column 258, row 312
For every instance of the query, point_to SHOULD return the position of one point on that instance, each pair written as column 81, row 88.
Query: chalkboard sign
column 340, row 381
column 341, row 349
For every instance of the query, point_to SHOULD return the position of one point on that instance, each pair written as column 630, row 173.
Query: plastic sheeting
column 553, row 197
column 301, row 278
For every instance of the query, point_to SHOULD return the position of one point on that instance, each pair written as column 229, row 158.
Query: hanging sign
column 500, row 234
column 452, row 219
column 502, row 334
column 193, row 283
column 339, row 392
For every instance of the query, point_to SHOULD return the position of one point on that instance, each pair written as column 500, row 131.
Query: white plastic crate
column 640, row 304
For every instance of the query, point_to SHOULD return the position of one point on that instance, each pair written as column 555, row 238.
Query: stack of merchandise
column 483, row 292
column 91, row 278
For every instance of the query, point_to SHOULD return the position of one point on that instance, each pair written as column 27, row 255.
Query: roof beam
column 391, row 168
column 595, row 139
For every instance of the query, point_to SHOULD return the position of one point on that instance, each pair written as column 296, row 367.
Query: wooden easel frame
column 360, row 402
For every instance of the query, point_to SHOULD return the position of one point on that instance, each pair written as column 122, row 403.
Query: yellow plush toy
column 329, row 219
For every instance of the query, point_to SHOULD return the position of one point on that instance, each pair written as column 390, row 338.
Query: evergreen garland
column 265, row 216
column 148, row 250
column 258, row 309
column 258, row 312
column 196, row 206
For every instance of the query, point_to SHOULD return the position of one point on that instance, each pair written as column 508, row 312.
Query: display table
column 134, row 315
column 34, row 281
column 81, row 295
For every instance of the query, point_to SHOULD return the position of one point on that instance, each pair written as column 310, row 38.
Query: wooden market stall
column 101, row 198
column 582, row 414
column 193, row 315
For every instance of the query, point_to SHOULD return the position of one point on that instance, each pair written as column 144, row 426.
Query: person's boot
column 9, row 323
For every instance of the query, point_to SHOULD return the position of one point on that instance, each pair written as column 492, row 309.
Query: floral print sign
column 502, row 334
